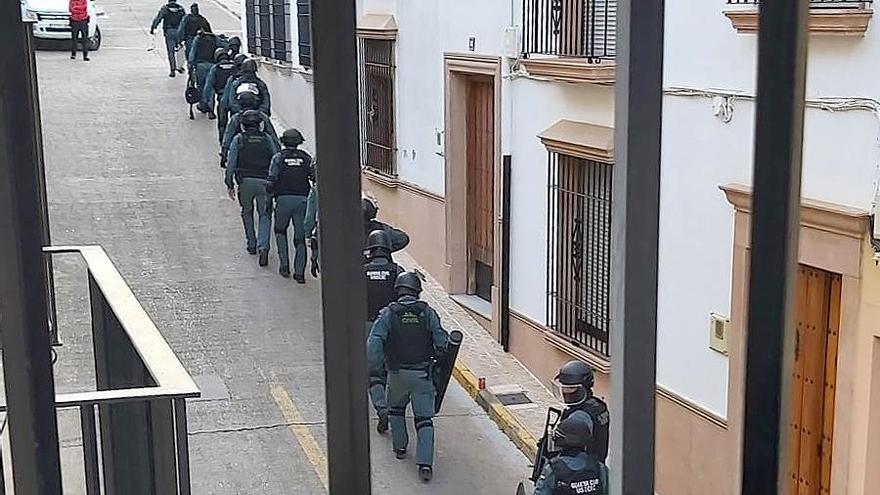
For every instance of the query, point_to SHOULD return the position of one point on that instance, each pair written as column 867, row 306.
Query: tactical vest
column 221, row 76
column 254, row 155
column 598, row 412
column 206, row 44
column 174, row 14
column 577, row 482
column 293, row 180
column 381, row 275
column 410, row 341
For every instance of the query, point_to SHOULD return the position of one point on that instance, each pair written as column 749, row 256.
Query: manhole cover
column 513, row 399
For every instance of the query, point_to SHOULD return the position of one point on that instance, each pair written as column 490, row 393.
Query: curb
column 506, row 421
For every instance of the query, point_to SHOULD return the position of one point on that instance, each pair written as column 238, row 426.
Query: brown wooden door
column 814, row 378
column 481, row 183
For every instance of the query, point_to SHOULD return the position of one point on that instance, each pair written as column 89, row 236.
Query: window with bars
column 377, row 105
column 579, row 251
column 268, row 28
column 570, row 28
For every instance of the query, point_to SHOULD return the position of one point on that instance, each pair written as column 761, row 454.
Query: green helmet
column 408, row 283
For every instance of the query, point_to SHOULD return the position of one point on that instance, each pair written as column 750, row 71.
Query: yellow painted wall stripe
column 306, row 440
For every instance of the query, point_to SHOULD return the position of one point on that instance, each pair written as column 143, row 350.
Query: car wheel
column 95, row 41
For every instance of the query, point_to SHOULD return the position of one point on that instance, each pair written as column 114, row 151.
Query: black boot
column 400, row 453
column 284, row 271
column 264, row 257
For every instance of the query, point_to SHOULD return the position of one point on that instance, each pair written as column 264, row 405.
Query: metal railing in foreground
column 138, row 443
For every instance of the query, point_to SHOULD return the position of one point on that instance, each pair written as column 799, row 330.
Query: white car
column 51, row 20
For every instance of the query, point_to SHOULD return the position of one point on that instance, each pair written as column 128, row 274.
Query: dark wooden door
column 814, row 378
column 481, row 184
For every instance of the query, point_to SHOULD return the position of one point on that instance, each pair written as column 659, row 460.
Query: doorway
column 814, row 378
column 480, row 166
column 472, row 152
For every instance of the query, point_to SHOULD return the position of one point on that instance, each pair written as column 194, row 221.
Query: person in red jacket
column 79, row 27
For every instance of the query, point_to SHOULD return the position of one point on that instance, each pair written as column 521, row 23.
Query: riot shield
column 443, row 368
column 545, row 452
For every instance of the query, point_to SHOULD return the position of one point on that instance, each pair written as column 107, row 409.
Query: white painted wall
column 700, row 153
column 537, row 106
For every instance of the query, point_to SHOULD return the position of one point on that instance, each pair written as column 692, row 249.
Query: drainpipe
column 505, row 253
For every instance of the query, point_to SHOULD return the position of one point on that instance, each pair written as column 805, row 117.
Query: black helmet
column 194, row 8
column 370, row 209
column 292, row 138
column 378, row 243
column 249, row 66
column 251, row 120
column 574, row 382
column 574, row 432
column 220, row 54
column 247, row 100
column 234, row 41
column 408, row 284
column 239, row 59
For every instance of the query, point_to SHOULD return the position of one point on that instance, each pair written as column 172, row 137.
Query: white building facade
column 487, row 132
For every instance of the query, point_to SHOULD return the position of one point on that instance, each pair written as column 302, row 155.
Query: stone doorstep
column 482, row 357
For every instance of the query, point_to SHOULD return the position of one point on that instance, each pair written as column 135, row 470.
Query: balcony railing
column 570, row 28
column 137, row 444
column 847, row 4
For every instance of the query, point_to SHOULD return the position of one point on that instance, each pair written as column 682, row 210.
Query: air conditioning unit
column 719, row 326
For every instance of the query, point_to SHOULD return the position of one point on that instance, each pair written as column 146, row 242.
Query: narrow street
column 128, row 170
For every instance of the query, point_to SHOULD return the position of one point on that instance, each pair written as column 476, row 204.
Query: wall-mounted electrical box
column 719, row 327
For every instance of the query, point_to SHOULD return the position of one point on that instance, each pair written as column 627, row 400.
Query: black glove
column 152, row 31
column 223, row 162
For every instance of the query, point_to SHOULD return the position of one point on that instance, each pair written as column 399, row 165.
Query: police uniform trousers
column 291, row 208
column 251, row 193
column 378, row 383
column 416, row 386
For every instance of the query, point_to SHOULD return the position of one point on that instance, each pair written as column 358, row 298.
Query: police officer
column 170, row 15
column 574, row 383
column 407, row 338
column 573, row 471
column 222, row 106
column 245, row 101
column 249, row 157
column 381, row 274
column 190, row 26
column 201, row 60
column 290, row 181
column 399, row 239
column 216, row 80
column 248, row 81
column 233, row 46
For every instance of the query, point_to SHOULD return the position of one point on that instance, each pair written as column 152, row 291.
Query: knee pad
column 279, row 231
column 396, row 411
column 423, row 423
column 299, row 242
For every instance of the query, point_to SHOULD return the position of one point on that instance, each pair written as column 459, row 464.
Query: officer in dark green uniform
column 222, row 70
column 407, row 338
column 290, row 181
column 245, row 101
column 572, row 471
column 249, row 157
column 574, row 385
column 381, row 273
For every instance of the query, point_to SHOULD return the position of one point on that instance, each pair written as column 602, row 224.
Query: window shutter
column 304, row 21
